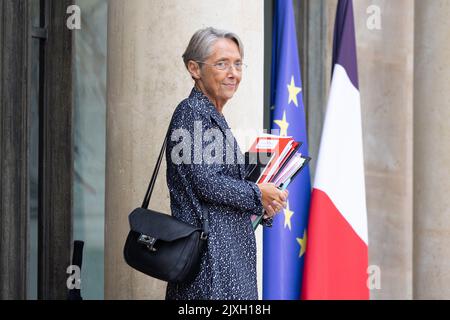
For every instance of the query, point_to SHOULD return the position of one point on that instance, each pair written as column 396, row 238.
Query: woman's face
column 220, row 85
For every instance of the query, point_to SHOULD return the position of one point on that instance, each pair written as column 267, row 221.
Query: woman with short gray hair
column 200, row 46
column 213, row 58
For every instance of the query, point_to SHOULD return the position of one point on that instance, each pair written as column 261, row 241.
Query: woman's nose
column 232, row 72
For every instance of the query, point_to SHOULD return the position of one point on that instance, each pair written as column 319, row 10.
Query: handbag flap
column 159, row 225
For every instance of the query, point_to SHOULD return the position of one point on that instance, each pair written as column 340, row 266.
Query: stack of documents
column 273, row 159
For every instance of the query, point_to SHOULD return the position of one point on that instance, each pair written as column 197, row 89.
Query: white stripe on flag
column 340, row 166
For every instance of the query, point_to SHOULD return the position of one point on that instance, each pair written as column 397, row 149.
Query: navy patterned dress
column 228, row 267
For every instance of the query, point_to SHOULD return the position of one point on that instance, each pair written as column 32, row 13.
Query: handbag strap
column 148, row 194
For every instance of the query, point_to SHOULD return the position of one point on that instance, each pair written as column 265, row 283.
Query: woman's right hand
column 272, row 198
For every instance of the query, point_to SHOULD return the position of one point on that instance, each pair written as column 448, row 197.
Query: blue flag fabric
column 284, row 244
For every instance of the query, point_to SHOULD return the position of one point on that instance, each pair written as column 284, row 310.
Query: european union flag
column 284, row 244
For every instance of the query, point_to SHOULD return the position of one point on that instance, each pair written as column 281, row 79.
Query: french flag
column 337, row 247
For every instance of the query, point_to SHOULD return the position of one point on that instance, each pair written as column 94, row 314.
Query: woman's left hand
column 274, row 200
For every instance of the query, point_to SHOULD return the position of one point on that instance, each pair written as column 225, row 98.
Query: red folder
column 279, row 147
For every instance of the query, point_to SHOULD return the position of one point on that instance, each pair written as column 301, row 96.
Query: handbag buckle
column 203, row 236
column 148, row 241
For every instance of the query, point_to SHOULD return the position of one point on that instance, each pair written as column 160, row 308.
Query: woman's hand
column 273, row 199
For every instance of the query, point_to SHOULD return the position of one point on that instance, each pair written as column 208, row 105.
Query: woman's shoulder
column 189, row 109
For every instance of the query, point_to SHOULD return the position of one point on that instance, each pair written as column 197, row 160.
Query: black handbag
column 162, row 246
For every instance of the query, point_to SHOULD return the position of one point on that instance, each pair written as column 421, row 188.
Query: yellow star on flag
column 302, row 243
column 293, row 92
column 283, row 124
column 287, row 217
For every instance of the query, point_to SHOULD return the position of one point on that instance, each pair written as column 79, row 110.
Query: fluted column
column 431, row 150
column 146, row 81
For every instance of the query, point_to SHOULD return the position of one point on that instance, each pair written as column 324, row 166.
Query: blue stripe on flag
column 284, row 243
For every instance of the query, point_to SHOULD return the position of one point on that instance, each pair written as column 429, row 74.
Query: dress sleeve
column 267, row 222
column 209, row 181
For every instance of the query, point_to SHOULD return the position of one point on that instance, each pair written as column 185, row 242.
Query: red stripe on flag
column 336, row 258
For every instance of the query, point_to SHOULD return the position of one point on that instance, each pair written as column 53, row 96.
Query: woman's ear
column 194, row 70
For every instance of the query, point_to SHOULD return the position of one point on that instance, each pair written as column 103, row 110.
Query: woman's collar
column 198, row 94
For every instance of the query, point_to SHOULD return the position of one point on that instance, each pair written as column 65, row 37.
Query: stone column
column 431, row 151
column 146, row 81
column 385, row 61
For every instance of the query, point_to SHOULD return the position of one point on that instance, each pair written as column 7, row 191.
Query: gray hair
column 199, row 48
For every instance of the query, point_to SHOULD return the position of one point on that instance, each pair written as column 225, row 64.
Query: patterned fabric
column 228, row 267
